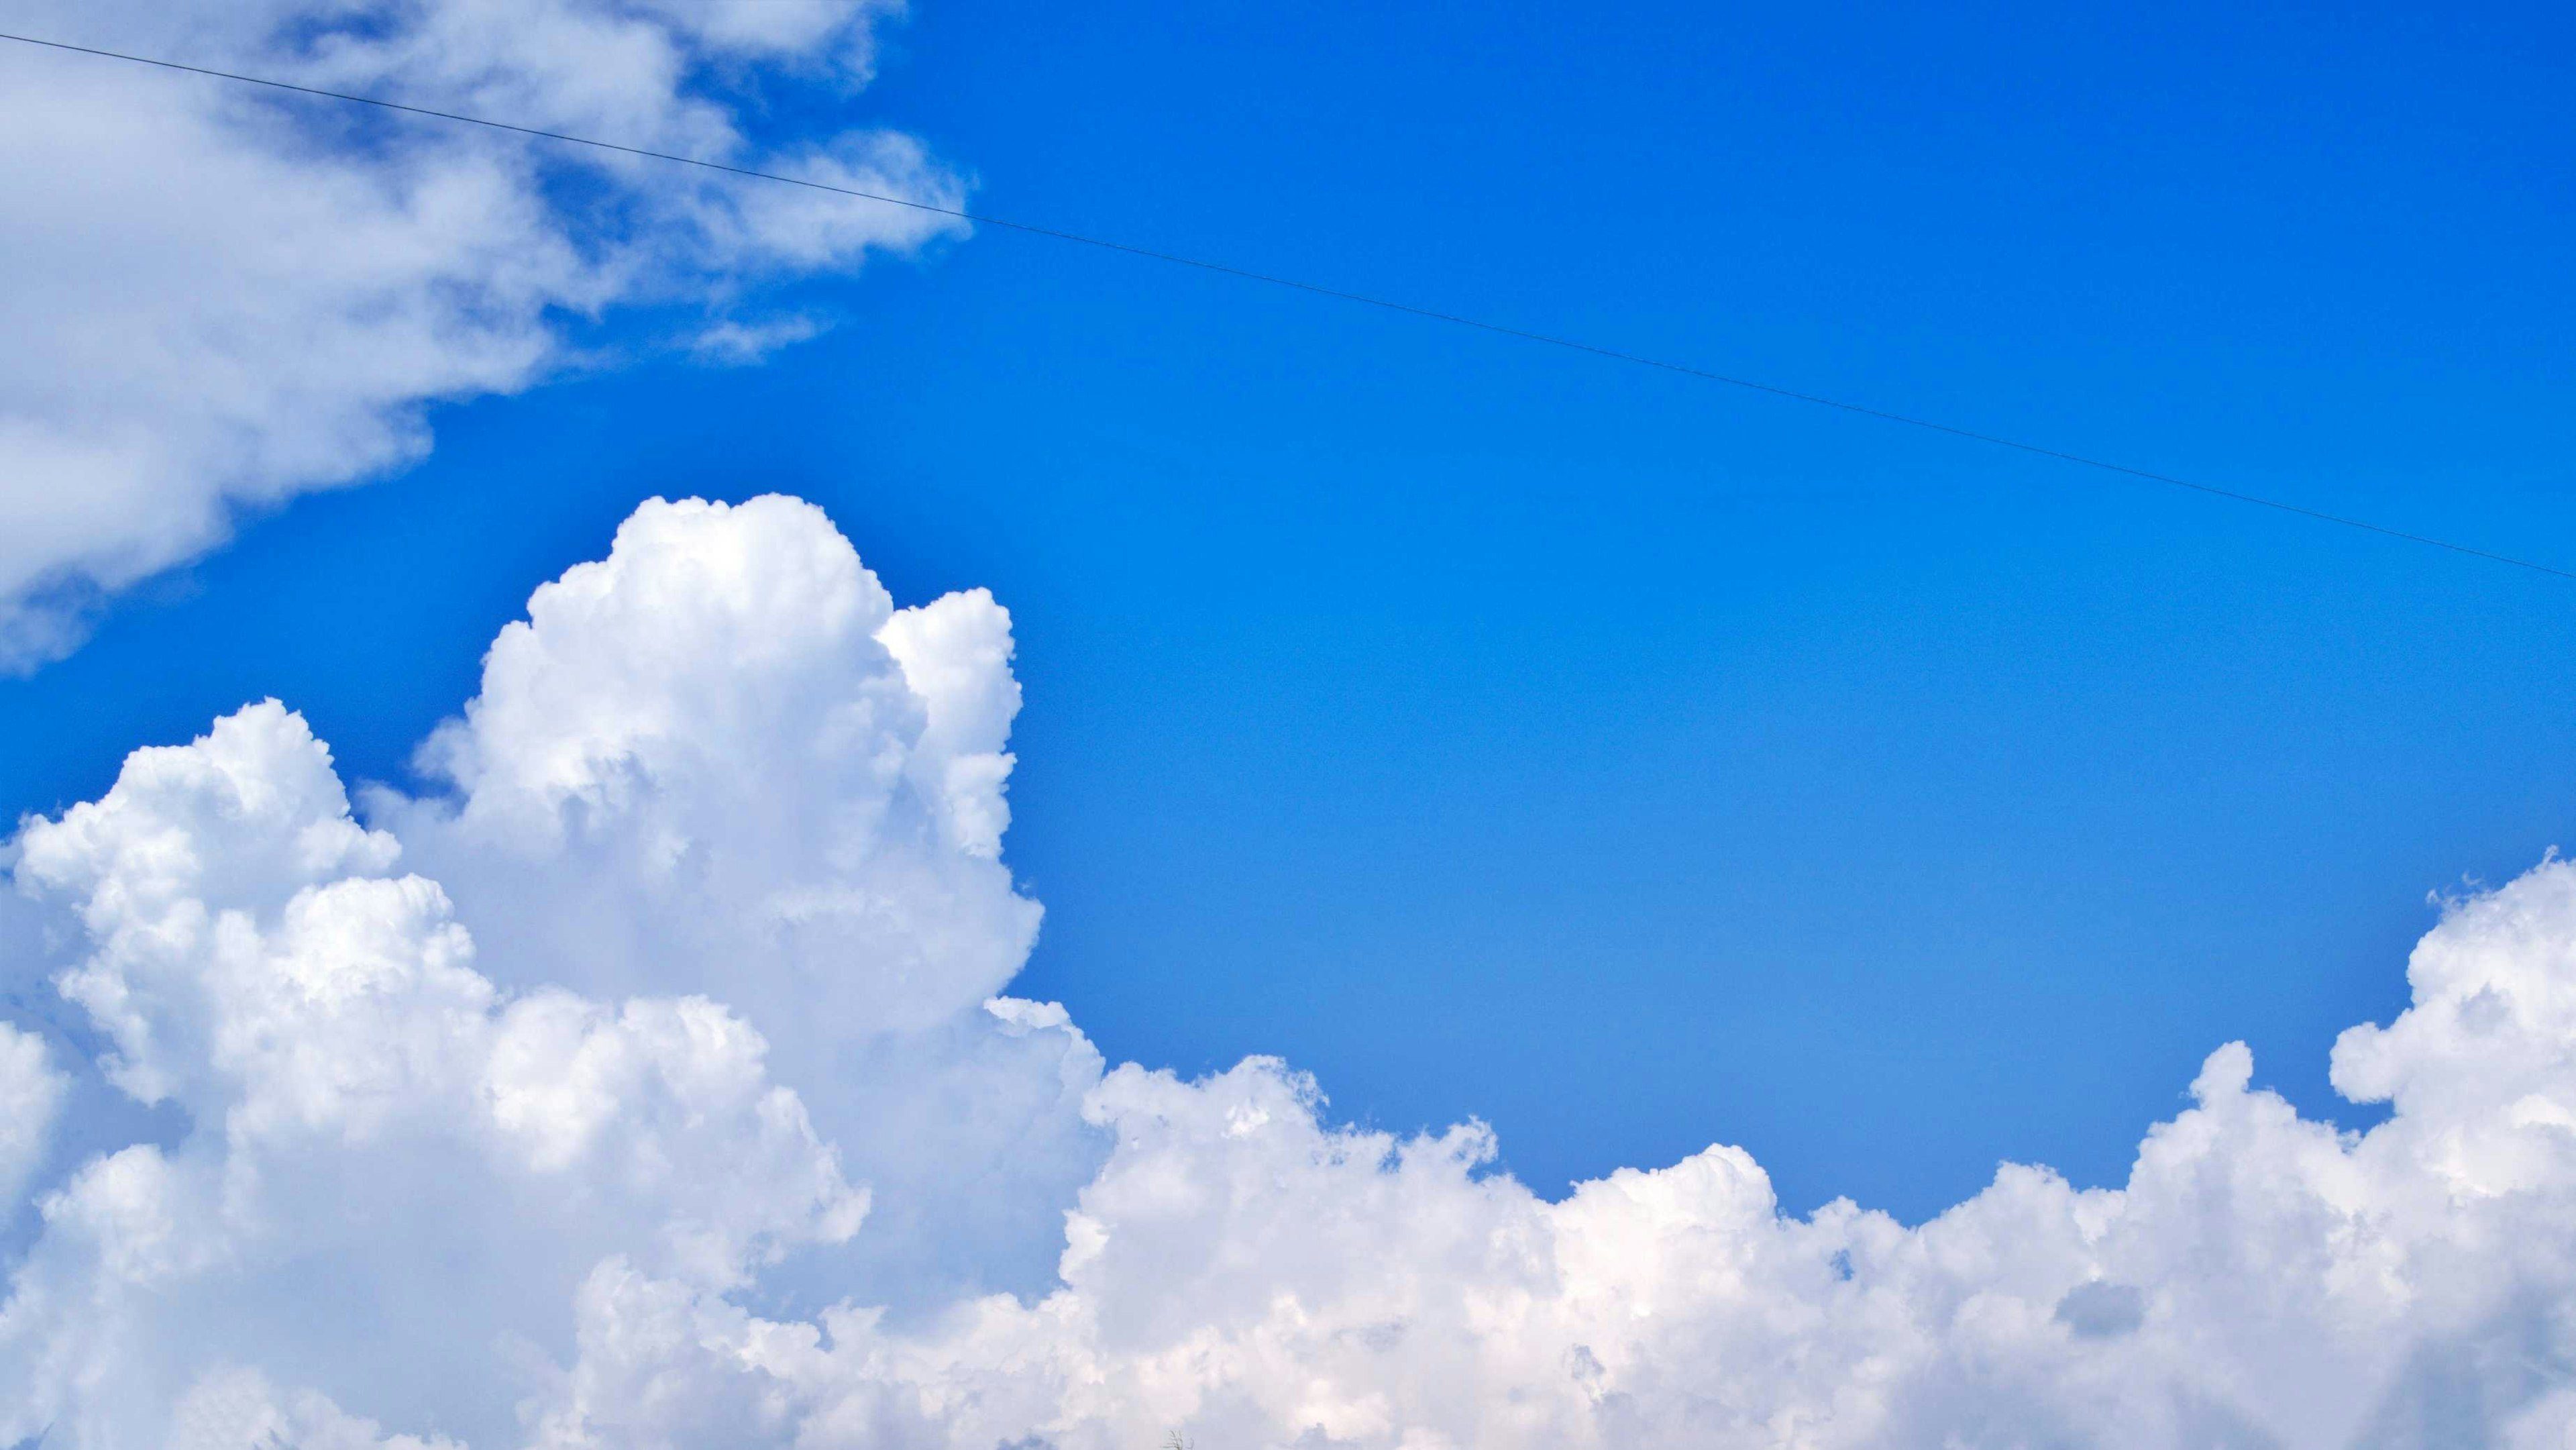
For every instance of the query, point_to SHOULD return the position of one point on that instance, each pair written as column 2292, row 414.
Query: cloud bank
column 648, row 1083
column 221, row 297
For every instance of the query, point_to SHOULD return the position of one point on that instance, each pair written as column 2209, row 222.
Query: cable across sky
column 1320, row 290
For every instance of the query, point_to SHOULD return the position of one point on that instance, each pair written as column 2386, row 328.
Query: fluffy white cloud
column 31, row 1093
column 677, row 1111
column 221, row 297
column 364, row 1107
column 721, row 762
column 724, row 739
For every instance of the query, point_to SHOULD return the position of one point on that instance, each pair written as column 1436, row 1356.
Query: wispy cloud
column 221, row 298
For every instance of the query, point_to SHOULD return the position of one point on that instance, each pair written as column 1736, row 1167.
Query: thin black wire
column 1316, row 289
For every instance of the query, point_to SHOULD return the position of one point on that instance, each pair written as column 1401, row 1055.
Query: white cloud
column 642, row 1089
column 365, row 1107
column 724, row 741
column 31, row 1094
column 221, row 297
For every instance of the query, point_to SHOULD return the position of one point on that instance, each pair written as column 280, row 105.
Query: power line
column 1316, row 289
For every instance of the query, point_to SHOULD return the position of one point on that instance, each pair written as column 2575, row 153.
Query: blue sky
column 1629, row 762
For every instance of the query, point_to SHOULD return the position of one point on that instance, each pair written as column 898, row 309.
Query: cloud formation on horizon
column 222, row 297
column 649, row 1082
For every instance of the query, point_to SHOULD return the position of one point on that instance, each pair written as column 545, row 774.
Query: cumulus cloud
column 646, row 1082
column 222, row 297
column 31, row 1093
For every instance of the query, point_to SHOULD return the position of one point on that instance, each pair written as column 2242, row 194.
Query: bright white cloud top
column 220, row 297
column 649, row 1087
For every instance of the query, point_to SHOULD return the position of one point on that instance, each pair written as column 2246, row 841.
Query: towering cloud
column 646, row 1085
column 221, row 297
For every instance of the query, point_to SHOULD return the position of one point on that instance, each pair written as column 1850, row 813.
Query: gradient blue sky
column 1627, row 761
